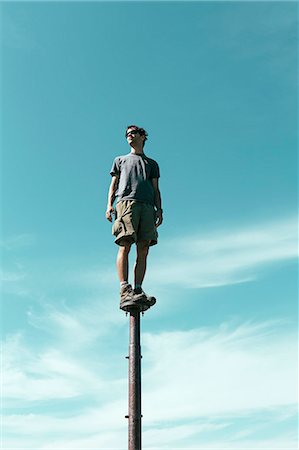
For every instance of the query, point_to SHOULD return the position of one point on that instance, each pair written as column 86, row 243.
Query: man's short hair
column 140, row 130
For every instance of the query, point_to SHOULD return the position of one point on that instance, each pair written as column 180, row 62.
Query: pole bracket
column 140, row 306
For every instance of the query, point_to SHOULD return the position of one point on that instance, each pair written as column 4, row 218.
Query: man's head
column 136, row 135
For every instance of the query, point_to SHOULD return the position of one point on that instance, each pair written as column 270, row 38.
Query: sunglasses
column 133, row 132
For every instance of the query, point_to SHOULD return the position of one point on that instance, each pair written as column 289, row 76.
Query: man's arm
column 158, row 202
column 111, row 197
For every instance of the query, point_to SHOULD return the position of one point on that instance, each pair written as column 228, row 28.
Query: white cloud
column 219, row 371
column 70, row 363
column 204, row 377
column 225, row 257
column 14, row 276
column 11, row 277
column 77, row 327
column 200, row 260
column 19, row 241
column 117, row 440
column 165, row 436
column 207, row 378
column 30, row 375
column 287, row 441
column 69, row 357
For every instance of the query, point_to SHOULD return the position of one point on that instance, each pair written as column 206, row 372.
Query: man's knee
column 125, row 248
column 142, row 248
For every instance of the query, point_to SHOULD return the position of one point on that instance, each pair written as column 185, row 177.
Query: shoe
column 148, row 299
column 129, row 298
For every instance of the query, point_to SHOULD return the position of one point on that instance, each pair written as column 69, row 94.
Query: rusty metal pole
column 134, row 416
column 134, row 382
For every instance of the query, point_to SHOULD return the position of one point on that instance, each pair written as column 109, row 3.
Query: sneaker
column 128, row 297
column 148, row 299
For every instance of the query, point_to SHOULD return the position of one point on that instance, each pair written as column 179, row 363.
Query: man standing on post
column 138, row 213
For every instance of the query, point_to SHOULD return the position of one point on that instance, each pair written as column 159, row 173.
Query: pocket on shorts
column 117, row 227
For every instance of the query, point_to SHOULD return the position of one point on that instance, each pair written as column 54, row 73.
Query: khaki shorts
column 134, row 222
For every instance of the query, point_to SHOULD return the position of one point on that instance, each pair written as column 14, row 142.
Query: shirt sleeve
column 115, row 167
column 155, row 170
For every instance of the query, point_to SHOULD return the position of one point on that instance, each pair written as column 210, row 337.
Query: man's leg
column 142, row 248
column 122, row 261
column 139, row 271
column 127, row 295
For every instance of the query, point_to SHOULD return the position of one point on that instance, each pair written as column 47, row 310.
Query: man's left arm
column 158, row 202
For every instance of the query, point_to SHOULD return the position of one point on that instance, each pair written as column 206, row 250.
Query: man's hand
column 159, row 217
column 110, row 211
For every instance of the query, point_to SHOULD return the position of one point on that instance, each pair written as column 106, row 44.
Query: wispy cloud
column 225, row 257
column 220, row 371
column 18, row 241
column 39, row 376
column 204, row 380
column 13, row 275
column 63, row 365
column 77, row 327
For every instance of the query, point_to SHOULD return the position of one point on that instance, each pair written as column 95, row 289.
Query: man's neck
column 137, row 150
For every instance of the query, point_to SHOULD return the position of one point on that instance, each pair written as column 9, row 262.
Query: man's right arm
column 111, row 197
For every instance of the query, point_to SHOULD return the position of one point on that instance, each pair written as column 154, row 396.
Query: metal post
column 134, row 416
column 134, row 382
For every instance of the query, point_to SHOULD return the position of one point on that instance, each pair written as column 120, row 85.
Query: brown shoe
column 147, row 299
column 129, row 298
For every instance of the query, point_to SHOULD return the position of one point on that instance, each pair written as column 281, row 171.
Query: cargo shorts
column 134, row 222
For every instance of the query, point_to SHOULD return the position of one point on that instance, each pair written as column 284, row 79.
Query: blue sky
column 215, row 86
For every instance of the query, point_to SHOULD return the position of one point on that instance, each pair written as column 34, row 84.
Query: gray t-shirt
column 135, row 174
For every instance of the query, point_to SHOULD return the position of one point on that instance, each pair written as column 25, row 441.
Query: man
column 138, row 213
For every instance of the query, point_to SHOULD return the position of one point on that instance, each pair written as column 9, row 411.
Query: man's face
column 133, row 136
